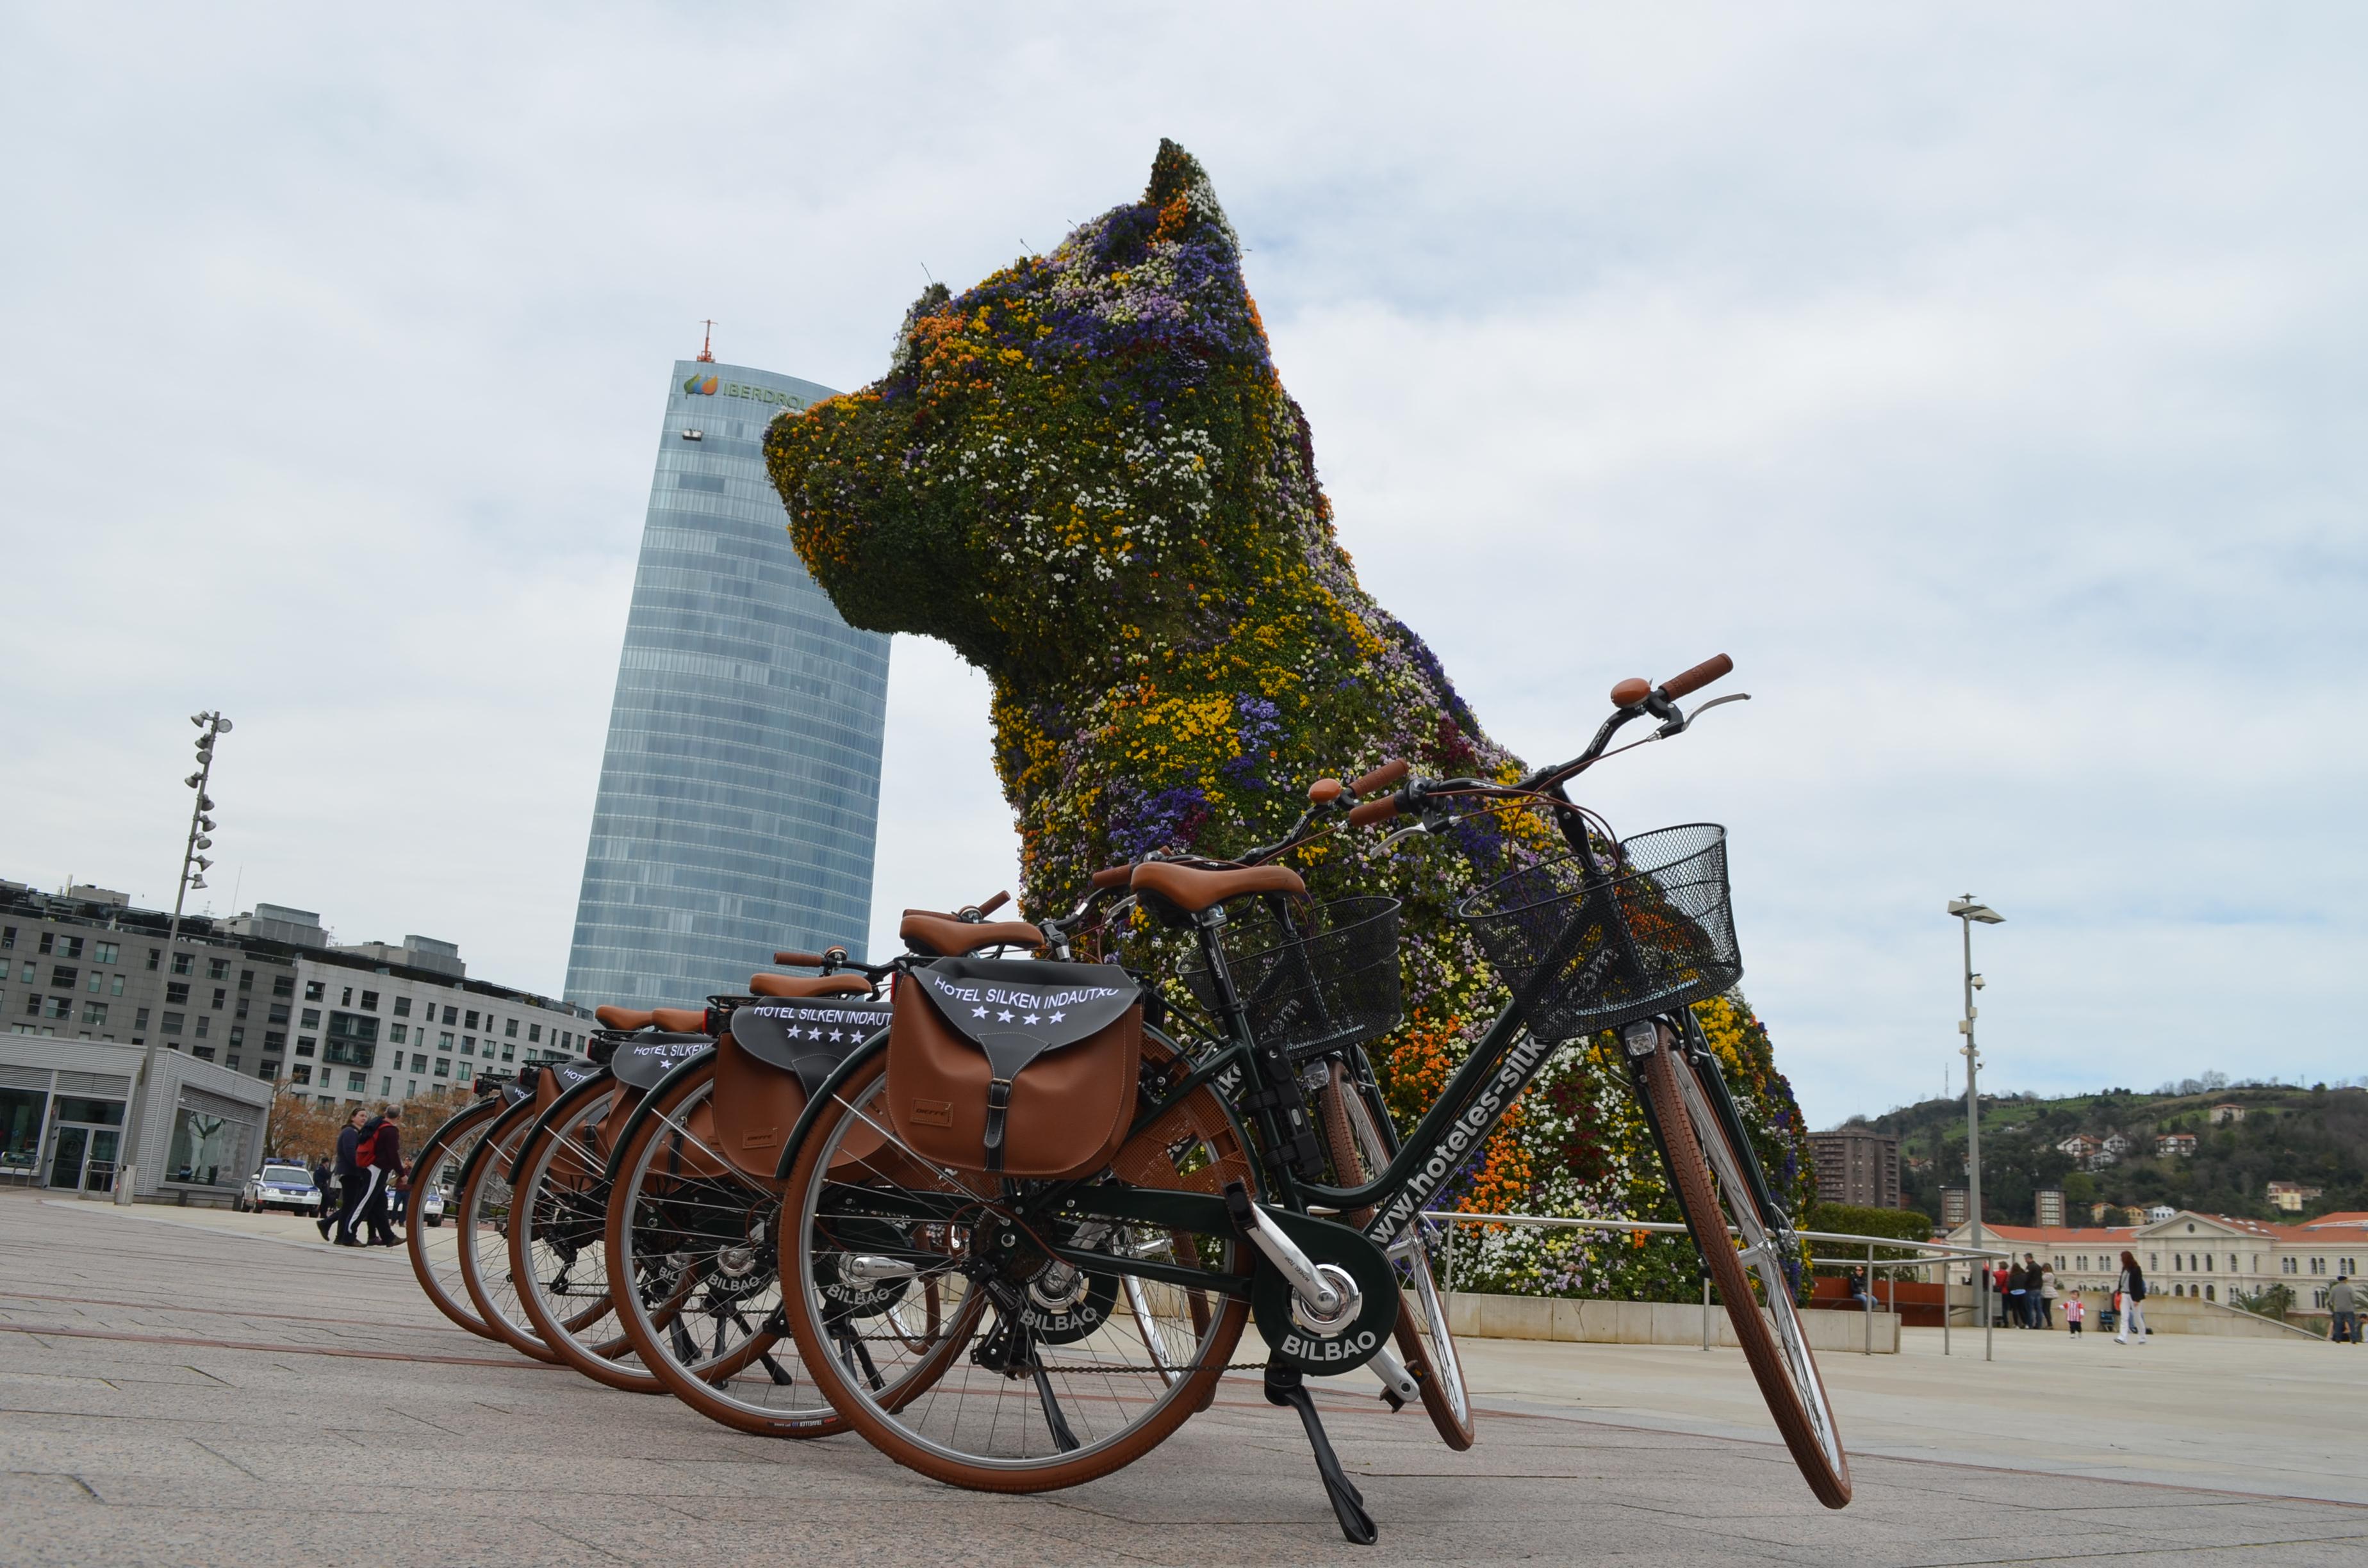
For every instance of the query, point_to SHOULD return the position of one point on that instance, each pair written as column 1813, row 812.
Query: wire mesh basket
column 1583, row 951
column 1321, row 977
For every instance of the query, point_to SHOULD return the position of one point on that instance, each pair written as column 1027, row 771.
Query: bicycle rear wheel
column 1709, row 1179
column 698, row 1236
column 558, row 1220
column 435, row 1257
column 1359, row 1152
column 1042, row 1375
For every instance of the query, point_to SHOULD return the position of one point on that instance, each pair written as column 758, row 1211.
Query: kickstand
column 1283, row 1386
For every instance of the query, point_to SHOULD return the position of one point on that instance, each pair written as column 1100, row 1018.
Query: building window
column 305, row 1044
column 273, row 1039
column 173, row 1023
column 204, row 1025
column 63, row 976
column 386, row 1086
column 443, row 1042
column 403, row 1006
column 278, row 1014
column 312, row 1018
column 281, row 984
column 103, row 953
column 218, row 969
column 356, row 1083
column 59, row 1007
column 410, row 1087
column 2319, row 1265
column 237, row 1035
column 8, row 936
column 241, row 1011
column 509, row 1051
column 452, row 1015
column 267, row 1072
column 509, row 1028
column 115, row 986
column 471, row 1022
column 247, row 980
column 468, row 1045
column 534, row 1034
column 32, row 1005
column 207, row 1150
column 183, row 962
column 347, row 1000
column 443, row 1066
column 140, row 1019
column 154, row 955
column 312, row 991
column 177, row 993
column 28, row 976
column 369, row 1001
column 419, row 1061
column 397, row 1032
column 302, row 1074
column 94, row 1012
column 95, row 982
column 2289, row 1265
column 221, row 995
column 204, row 1053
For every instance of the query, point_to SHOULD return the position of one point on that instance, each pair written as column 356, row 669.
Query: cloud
column 1987, row 384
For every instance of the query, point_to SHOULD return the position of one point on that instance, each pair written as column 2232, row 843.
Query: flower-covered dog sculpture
column 1084, row 474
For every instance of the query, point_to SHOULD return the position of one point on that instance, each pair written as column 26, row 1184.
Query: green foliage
column 1858, row 1219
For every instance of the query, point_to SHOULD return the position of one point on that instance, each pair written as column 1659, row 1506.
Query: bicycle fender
column 643, row 1110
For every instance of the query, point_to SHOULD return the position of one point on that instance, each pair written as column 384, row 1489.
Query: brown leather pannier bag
column 1015, row 1067
column 775, row 1056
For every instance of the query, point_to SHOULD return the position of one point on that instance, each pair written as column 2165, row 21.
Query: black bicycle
column 1085, row 1318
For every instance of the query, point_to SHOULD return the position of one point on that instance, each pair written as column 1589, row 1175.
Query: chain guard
column 1368, row 1265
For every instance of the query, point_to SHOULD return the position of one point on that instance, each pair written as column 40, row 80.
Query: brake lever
column 1718, row 702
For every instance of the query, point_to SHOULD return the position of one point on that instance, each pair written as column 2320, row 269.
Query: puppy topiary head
column 1086, row 442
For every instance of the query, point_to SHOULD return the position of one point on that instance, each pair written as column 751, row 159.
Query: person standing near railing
column 2047, row 1295
column 2129, row 1293
column 2344, row 1311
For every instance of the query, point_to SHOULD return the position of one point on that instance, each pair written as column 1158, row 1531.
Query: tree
column 300, row 1126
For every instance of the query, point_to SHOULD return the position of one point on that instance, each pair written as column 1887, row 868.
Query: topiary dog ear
column 1176, row 176
column 933, row 296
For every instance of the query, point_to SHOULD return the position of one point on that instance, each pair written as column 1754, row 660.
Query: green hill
column 2318, row 1137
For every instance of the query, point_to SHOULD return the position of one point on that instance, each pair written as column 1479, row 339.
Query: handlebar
column 1381, row 808
column 989, row 907
column 1687, row 682
column 1381, row 778
column 1113, row 877
column 800, row 961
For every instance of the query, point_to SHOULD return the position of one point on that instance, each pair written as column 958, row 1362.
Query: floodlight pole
column 1967, row 910
column 126, row 1172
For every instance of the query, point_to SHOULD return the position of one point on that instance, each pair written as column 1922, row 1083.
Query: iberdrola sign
column 708, row 386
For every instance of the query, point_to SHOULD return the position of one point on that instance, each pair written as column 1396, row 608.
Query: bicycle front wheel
column 558, row 1224
column 481, row 1239
column 1710, row 1186
column 1359, row 1153
column 435, row 1257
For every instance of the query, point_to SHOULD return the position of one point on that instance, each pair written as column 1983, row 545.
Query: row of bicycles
column 1013, row 1217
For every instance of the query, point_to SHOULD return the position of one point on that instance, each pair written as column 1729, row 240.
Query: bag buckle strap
column 999, row 1102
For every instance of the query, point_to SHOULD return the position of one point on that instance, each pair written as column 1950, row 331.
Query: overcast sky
column 1989, row 383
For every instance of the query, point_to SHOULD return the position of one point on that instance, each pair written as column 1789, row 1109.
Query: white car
column 279, row 1187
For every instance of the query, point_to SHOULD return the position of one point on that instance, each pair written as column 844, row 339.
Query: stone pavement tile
column 2272, row 1554
column 67, row 1537
column 843, row 1535
column 2183, row 1519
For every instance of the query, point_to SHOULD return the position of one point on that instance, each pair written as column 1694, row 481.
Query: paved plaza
column 185, row 1388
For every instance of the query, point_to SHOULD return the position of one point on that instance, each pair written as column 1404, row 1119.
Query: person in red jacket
column 385, row 1131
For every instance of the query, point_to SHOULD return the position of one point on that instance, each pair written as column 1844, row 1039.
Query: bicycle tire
column 446, row 1154
column 561, row 1188
column 1202, row 1123
column 1702, row 1165
column 669, row 1134
column 480, row 1238
column 1424, row 1341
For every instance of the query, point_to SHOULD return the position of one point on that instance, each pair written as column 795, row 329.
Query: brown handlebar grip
column 1701, row 675
column 802, row 960
column 1381, row 778
column 1381, row 808
column 1324, row 791
column 991, row 905
column 1113, row 876
column 1630, row 692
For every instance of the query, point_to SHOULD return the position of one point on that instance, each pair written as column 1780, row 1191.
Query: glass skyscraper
column 740, row 791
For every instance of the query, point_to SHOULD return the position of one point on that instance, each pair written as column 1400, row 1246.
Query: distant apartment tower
column 2047, row 1206
column 740, row 787
column 1953, row 1207
column 1857, row 1164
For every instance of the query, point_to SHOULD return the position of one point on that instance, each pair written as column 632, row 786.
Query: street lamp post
column 1967, row 910
column 194, row 866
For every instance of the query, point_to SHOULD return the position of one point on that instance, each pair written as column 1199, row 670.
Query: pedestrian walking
column 2075, row 1310
column 2129, row 1291
column 324, row 1182
column 385, row 1133
column 2047, row 1296
column 351, row 1186
column 2343, row 1306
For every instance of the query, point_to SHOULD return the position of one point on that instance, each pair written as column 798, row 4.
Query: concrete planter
column 1478, row 1316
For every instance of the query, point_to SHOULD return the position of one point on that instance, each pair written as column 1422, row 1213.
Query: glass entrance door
column 66, row 1157
column 83, row 1159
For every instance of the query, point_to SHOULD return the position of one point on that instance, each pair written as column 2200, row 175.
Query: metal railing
column 1927, row 1253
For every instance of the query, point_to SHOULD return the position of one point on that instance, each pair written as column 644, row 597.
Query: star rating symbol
column 837, row 1035
column 1058, row 1017
column 1004, row 1017
column 981, row 1012
column 1029, row 1020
